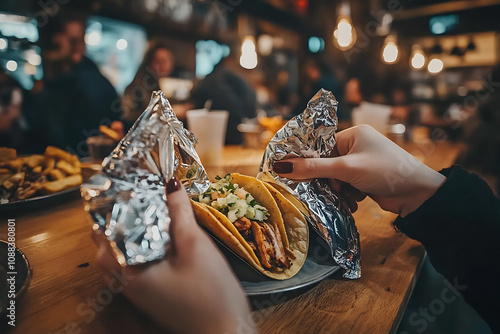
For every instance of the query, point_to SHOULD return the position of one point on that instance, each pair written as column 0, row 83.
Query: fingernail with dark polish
column 283, row 167
column 173, row 185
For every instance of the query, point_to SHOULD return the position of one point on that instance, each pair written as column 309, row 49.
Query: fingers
column 357, row 138
column 105, row 258
column 353, row 205
column 348, row 192
column 352, row 196
column 313, row 168
column 336, row 185
column 339, row 170
column 345, row 140
column 183, row 227
column 357, row 195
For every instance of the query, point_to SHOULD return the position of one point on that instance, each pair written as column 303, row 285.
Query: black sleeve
column 460, row 229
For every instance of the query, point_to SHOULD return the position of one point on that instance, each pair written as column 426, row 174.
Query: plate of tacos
column 264, row 236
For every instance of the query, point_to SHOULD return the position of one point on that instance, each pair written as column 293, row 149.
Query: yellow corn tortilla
column 295, row 226
column 291, row 224
column 267, row 178
column 227, row 233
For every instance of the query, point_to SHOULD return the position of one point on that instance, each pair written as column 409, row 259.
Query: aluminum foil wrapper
column 127, row 201
column 312, row 135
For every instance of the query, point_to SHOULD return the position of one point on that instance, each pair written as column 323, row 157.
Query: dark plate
column 318, row 266
column 22, row 277
column 41, row 201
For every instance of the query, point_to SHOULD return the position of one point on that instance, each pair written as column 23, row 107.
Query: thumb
column 315, row 168
column 183, row 227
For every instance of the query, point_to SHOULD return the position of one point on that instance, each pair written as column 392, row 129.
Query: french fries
column 59, row 154
column 108, row 132
column 34, row 160
column 14, row 165
column 28, row 192
column 7, row 154
column 17, row 178
column 49, row 165
column 25, row 177
column 4, row 174
column 68, row 168
column 56, row 174
column 60, row 185
column 9, row 185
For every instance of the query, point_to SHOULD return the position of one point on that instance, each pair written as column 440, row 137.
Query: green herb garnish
column 254, row 203
column 230, row 186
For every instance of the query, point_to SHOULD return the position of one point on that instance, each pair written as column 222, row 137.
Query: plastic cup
column 210, row 129
column 376, row 115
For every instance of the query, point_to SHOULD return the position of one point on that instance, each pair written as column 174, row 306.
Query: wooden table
column 68, row 294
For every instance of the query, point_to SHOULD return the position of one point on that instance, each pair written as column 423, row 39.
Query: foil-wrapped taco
column 127, row 201
column 312, row 135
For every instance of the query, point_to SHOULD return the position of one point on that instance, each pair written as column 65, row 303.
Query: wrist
column 427, row 184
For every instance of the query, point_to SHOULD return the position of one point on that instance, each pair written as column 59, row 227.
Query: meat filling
column 273, row 235
column 264, row 249
column 242, row 224
column 265, row 239
column 269, row 246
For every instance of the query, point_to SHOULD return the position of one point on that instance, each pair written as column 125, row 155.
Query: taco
column 268, row 179
column 256, row 222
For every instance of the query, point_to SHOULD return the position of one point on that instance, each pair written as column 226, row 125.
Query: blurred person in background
column 361, row 84
column 228, row 91
column 317, row 75
column 158, row 62
column 285, row 96
column 11, row 120
column 396, row 91
column 482, row 154
column 73, row 98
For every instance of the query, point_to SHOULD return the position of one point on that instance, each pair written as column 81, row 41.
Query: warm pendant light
column 248, row 57
column 417, row 59
column 390, row 50
column 435, row 66
column 344, row 35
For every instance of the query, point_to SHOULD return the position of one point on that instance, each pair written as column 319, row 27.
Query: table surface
column 68, row 293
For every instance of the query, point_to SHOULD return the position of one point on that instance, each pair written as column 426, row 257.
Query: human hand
column 370, row 164
column 192, row 290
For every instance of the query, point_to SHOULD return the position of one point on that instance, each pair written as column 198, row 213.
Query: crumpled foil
column 312, row 135
column 127, row 199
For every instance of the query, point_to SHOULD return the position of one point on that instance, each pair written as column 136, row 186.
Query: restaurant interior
column 77, row 78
